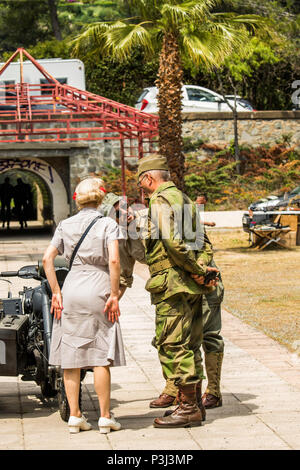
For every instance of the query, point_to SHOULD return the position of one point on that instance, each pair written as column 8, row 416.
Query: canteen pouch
column 157, row 283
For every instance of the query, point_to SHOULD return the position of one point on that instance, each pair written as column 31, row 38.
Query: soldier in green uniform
column 133, row 249
column 213, row 346
column 213, row 343
column 177, row 263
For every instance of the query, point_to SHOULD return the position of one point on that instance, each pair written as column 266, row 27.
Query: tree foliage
column 266, row 169
column 183, row 29
column 265, row 76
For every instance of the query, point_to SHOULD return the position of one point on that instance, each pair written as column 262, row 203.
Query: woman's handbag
column 81, row 240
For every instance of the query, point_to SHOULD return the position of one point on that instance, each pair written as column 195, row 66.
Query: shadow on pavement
column 27, row 403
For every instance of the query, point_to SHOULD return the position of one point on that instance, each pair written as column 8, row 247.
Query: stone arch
column 53, row 181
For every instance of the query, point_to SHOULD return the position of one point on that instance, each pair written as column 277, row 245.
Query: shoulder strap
column 81, row 240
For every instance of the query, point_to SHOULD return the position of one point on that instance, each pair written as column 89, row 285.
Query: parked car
column 275, row 202
column 261, row 211
column 195, row 99
column 241, row 101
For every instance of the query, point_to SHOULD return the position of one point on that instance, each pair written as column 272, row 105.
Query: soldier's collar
column 162, row 187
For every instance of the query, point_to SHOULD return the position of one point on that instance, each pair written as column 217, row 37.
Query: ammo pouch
column 157, row 283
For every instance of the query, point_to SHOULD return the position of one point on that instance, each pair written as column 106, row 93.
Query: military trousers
column 179, row 335
column 212, row 323
column 211, row 339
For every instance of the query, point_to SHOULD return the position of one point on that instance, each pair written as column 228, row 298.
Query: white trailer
column 66, row 71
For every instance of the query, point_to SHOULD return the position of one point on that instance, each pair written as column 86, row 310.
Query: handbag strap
column 81, row 240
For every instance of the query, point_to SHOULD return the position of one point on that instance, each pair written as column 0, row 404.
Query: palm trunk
column 169, row 83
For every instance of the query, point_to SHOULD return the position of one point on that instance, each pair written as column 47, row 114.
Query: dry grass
column 262, row 288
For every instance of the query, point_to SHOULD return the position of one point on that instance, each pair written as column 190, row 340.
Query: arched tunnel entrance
column 36, row 205
column 32, row 194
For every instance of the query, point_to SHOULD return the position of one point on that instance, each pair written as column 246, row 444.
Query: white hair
column 163, row 175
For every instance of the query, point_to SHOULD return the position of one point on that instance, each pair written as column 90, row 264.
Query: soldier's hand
column 212, row 282
column 198, row 279
column 210, row 224
column 201, row 279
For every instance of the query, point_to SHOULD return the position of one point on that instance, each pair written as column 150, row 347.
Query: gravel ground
column 261, row 287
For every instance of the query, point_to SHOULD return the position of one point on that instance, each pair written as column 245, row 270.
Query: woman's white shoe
column 78, row 424
column 108, row 424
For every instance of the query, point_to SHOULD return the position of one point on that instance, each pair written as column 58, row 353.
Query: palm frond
column 173, row 14
column 203, row 49
column 250, row 21
column 93, row 37
column 122, row 38
column 210, row 42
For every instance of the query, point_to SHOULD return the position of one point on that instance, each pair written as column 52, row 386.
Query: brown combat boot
column 163, row 401
column 199, row 402
column 212, row 398
column 211, row 401
column 186, row 414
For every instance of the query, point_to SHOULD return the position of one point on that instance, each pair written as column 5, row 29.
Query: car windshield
column 295, row 191
column 142, row 95
column 200, row 95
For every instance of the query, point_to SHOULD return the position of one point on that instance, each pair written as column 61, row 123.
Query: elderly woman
column 86, row 332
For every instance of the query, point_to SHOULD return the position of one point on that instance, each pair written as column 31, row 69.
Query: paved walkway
column 261, row 387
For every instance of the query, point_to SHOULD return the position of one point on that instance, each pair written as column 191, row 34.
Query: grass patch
column 261, row 288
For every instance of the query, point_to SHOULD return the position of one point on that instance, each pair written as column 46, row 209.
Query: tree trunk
column 237, row 155
column 54, row 19
column 169, row 83
column 236, row 140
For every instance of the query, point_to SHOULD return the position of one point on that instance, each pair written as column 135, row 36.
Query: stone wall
column 255, row 128
column 70, row 161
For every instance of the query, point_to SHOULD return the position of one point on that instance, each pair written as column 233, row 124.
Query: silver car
column 195, row 99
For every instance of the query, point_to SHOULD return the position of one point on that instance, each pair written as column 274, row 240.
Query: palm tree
column 179, row 29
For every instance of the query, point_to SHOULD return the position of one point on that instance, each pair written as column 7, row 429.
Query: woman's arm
column 48, row 264
column 112, row 304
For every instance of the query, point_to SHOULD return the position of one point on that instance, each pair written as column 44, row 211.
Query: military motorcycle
column 25, row 333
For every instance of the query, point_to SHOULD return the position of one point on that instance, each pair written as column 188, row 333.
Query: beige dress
column 84, row 337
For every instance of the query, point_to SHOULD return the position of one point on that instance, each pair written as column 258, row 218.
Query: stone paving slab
column 260, row 383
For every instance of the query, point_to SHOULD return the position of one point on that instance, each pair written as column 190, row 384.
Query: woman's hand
column 56, row 305
column 112, row 308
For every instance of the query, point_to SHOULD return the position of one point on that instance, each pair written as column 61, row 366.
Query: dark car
column 275, row 202
column 260, row 212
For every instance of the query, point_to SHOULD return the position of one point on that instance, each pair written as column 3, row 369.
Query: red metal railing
column 56, row 112
column 53, row 112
